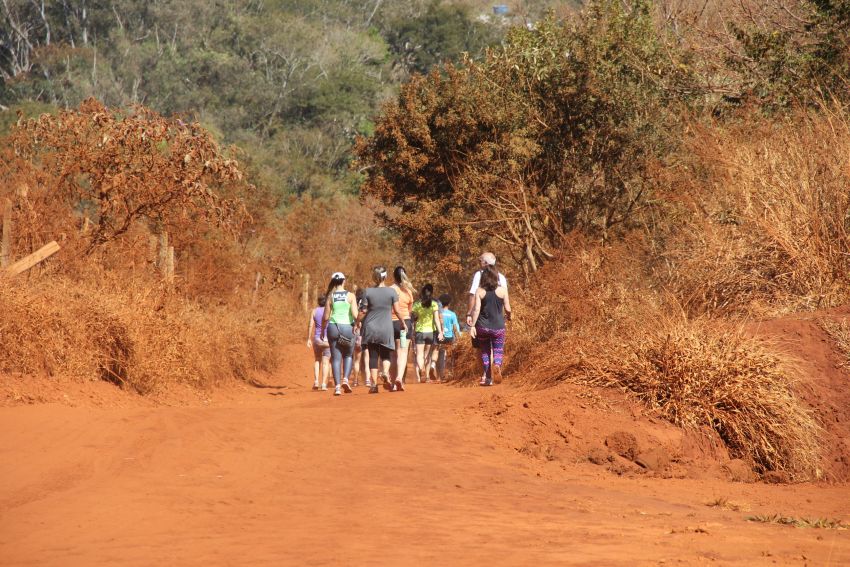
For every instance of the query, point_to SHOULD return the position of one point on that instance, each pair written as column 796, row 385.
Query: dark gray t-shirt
column 378, row 324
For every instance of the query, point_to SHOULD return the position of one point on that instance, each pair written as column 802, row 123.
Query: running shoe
column 324, row 387
column 346, row 388
column 399, row 386
column 337, row 391
column 368, row 383
column 374, row 389
column 315, row 385
column 386, row 381
column 497, row 374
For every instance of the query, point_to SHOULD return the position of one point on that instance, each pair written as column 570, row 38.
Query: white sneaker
column 324, row 387
column 345, row 387
column 337, row 391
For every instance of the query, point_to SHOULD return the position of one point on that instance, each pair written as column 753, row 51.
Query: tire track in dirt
column 417, row 478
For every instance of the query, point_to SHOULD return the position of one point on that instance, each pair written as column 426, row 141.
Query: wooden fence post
column 169, row 266
column 257, row 279
column 6, row 243
column 305, row 297
column 162, row 261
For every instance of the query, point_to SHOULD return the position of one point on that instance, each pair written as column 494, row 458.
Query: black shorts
column 426, row 338
column 397, row 328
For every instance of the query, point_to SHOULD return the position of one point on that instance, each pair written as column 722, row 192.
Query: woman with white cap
column 338, row 320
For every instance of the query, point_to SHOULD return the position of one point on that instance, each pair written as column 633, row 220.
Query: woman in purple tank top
column 321, row 348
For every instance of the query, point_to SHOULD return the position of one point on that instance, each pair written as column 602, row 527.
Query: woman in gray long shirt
column 379, row 303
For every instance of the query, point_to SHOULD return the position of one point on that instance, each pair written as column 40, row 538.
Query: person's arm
column 438, row 322
column 507, row 306
column 397, row 311
column 326, row 316
column 456, row 325
column 311, row 329
column 352, row 302
column 475, row 311
column 473, row 289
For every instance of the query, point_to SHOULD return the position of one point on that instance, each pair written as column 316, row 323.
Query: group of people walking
column 373, row 329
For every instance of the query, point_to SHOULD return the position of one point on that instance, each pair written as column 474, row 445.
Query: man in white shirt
column 486, row 259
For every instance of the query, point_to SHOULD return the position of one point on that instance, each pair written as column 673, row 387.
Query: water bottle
column 402, row 339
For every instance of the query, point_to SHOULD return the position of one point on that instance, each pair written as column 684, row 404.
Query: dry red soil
column 437, row 475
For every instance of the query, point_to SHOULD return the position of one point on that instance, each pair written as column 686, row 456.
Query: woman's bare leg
column 400, row 359
column 433, row 353
column 420, row 362
column 326, row 370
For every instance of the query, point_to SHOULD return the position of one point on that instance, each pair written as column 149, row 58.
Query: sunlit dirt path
column 294, row 477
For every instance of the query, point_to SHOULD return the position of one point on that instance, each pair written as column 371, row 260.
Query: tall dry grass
column 134, row 334
column 700, row 373
column 766, row 230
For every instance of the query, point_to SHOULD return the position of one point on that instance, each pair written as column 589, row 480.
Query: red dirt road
column 294, row 477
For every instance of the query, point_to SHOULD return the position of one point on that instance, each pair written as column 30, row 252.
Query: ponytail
column 335, row 281
column 426, row 295
column 402, row 281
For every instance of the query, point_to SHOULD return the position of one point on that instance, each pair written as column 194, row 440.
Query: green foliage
column 796, row 60
column 440, row 33
column 549, row 134
column 295, row 81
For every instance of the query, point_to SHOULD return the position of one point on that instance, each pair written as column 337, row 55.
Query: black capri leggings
column 376, row 352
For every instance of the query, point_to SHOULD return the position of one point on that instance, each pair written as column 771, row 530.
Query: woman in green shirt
column 337, row 323
column 428, row 329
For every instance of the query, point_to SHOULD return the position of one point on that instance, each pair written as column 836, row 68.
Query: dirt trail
column 294, row 477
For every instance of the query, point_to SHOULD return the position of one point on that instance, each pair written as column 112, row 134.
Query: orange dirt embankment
column 434, row 475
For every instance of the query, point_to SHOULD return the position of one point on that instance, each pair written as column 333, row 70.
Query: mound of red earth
column 605, row 428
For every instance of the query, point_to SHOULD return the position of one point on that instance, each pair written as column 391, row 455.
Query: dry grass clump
column 820, row 523
column 703, row 373
column 767, row 231
column 137, row 336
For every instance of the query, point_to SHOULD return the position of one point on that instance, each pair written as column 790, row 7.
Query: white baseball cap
column 338, row 276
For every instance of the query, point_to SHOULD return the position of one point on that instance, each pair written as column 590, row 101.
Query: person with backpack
column 491, row 308
column 338, row 324
column 486, row 259
column 321, row 348
column 428, row 331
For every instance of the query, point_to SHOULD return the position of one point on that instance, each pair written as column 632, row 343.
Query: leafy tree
column 118, row 168
column 549, row 134
column 440, row 33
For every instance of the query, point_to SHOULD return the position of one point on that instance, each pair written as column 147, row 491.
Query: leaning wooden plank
column 28, row 262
